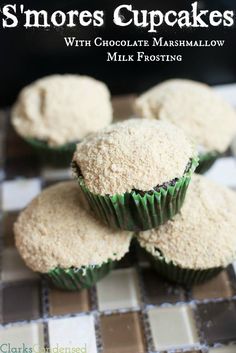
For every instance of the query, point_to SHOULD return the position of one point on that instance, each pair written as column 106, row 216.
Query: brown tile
column 122, row 333
column 158, row 291
column 188, row 351
column 231, row 271
column 123, row 106
column 218, row 321
column 27, row 166
column 218, row 287
column 16, row 146
column 8, row 221
column 21, row 302
column 62, row 302
column 180, row 351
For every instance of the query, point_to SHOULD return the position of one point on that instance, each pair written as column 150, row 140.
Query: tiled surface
column 227, row 349
column 118, row 290
column 7, row 225
column 228, row 178
column 158, row 291
column 16, row 194
column 218, row 321
column 173, row 327
column 21, row 302
column 13, row 267
column 218, row 287
column 130, row 311
column 62, row 303
column 30, row 334
column 122, row 330
column 73, row 332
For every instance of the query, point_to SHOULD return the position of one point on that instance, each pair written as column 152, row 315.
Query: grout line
column 45, row 298
column 144, row 314
column 97, row 327
column 93, row 297
column 197, row 320
column 46, row 335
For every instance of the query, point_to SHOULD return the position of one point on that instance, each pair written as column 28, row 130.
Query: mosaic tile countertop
column 132, row 310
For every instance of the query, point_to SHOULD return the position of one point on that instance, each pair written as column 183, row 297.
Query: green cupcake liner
column 74, row 279
column 206, row 161
column 55, row 156
column 136, row 212
column 176, row 274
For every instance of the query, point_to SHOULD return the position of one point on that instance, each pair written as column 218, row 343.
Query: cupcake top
column 135, row 154
column 202, row 235
column 56, row 230
column 194, row 107
column 61, row 109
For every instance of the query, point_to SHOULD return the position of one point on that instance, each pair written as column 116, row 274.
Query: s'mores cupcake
column 193, row 106
column 58, row 237
column 135, row 173
column 55, row 112
column 200, row 241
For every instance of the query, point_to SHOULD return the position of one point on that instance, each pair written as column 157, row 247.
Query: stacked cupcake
column 135, row 174
column 133, row 180
column 55, row 112
column 201, row 240
column 204, row 116
column 57, row 236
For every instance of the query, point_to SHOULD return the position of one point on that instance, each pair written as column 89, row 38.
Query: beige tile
column 227, row 349
column 30, row 334
column 16, row 194
column 173, row 327
column 52, row 174
column 73, row 332
column 118, row 290
column 228, row 178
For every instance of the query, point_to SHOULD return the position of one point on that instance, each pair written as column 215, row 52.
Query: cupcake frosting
column 135, row 154
column 56, row 230
column 202, row 235
column 60, row 109
column 194, row 107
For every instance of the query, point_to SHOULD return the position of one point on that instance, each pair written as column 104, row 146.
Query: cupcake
column 135, row 173
column 58, row 237
column 200, row 241
column 56, row 112
column 198, row 110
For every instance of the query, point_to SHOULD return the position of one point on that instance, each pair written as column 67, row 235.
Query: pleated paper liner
column 206, row 161
column 135, row 211
column 74, row 279
column 54, row 156
column 183, row 276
